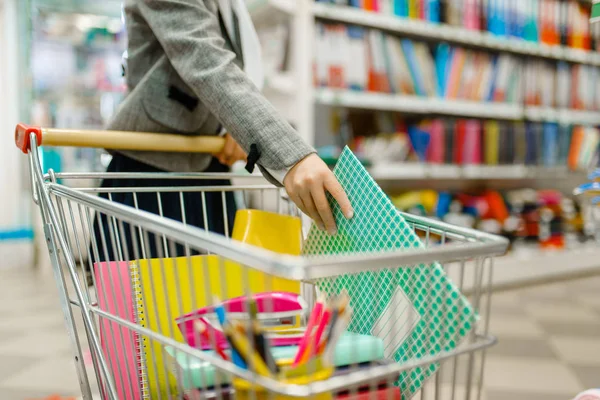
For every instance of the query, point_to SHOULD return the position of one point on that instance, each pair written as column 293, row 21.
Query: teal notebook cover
column 416, row 311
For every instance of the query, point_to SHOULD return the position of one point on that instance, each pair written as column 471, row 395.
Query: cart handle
column 117, row 140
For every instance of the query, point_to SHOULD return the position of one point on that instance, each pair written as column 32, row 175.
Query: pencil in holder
column 301, row 375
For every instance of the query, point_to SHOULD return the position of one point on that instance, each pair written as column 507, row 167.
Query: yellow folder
column 169, row 288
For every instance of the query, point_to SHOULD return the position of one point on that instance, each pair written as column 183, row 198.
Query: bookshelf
column 440, row 32
column 304, row 13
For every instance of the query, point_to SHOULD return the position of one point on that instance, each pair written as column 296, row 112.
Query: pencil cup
column 245, row 390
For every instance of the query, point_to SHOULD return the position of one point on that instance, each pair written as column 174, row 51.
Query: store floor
column 549, row 340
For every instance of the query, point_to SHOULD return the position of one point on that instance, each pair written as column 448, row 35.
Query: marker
column 315, row 316
column 235, row 354
column 201, row 327
column 249, row 354
column 260, row 342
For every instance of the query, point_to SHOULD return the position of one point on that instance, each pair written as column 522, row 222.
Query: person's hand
column 306, row 184
column 231, row 153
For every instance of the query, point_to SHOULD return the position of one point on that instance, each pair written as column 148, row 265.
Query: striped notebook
column 121, row 346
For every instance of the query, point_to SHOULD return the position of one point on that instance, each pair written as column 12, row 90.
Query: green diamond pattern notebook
column 416, row 311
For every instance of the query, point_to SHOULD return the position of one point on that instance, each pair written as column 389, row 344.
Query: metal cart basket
column 111, row 292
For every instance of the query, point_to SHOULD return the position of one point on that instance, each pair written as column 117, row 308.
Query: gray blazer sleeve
column 190, row 36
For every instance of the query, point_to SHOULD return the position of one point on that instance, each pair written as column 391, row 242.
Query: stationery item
column 323, row 323
column 315, row 316
column 247, row 351
column 338, row 327
column 381, row 299
column 472, row 154
column 400, row 77
column 181, row 280
column 492, row 142
column 351, row 349
column 457, row 63
column 262, row 346
column 202, row 328
column 413, row 66
column 550, row 144
column 121, row 346
column 274, row 309
column 427, row 68
column 236, row 356
column 436, row 148
column 577, row 139
column 443, row 55
column 356, row 71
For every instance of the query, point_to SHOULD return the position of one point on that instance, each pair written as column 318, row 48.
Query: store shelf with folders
column 366, row 68
column 554, row 29
column 401, row 148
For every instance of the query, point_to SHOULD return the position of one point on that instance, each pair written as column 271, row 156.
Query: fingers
column 312, row 210
column 239, row 154
column 323, row 209
column 337, row 192
column 228, row 150
column 231, row 153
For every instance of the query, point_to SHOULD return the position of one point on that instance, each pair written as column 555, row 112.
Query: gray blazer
column 185, row 76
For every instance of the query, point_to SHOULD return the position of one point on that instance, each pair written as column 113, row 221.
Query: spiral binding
column 140, row 342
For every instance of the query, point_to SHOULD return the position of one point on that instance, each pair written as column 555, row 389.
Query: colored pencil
column 315, row 316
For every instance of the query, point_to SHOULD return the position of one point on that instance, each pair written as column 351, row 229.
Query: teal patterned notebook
column 416, row 311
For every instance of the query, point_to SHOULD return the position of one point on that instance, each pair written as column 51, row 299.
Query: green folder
column 417, row 311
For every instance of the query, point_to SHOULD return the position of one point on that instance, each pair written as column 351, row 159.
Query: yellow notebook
column 169, row 288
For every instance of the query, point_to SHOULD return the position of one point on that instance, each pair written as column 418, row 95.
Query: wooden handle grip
column 117, row 140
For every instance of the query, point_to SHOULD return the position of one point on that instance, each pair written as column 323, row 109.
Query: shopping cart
column 128, row 312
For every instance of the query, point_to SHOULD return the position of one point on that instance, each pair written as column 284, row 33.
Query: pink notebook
column 120, row 346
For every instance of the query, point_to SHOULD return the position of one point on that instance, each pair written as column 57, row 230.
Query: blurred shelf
column 417, row 105
column 532, row 265
column 458, row 108
column 527, row 266
column 441, row 32
column 564, row 116
column 262, row 10
column 417, row 171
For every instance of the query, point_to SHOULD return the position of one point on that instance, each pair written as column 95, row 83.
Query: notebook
column 120, row 345
column 139, row 364
column 415, row 311
column 174, row 296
